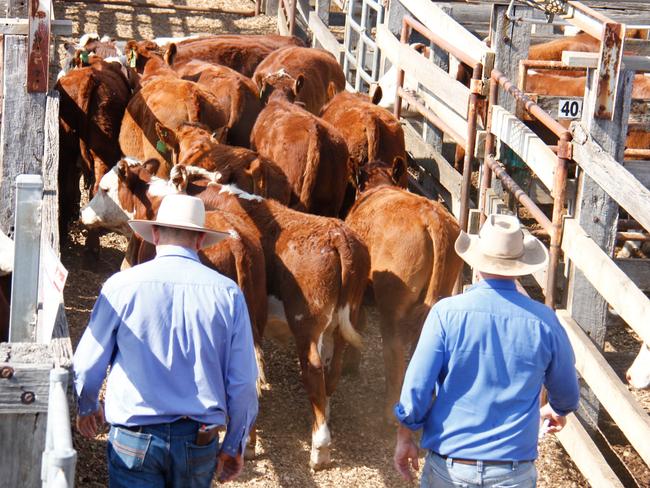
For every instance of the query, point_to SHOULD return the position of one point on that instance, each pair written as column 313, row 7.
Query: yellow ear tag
column 133, row 59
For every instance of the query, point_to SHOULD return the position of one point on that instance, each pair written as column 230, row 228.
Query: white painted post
column 27, row 239
column 59, row 455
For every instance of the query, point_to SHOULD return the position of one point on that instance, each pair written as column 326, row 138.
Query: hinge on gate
column 564, row 149
column 480, row 87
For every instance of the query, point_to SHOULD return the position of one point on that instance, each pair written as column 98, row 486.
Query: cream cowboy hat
column 502, row 248
column 179, row 212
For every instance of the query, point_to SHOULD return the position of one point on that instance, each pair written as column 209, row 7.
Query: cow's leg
column 314, row 380
column 252, row 442
column 394, row 364
column 91, row 251
column 352, row 357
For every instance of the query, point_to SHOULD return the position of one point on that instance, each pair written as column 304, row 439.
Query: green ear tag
column 133, row 59
column 161, row 147
column 84, row 57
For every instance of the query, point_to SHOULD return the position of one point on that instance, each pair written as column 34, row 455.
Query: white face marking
column 104, row 209
column 6, row 254
column 234, row 234
column 86, row 38
column 639, row 372
column 159, row 187
column 233, row 190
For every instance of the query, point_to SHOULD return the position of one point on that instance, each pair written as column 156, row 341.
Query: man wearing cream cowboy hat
column 485, row 355
column 178, row 340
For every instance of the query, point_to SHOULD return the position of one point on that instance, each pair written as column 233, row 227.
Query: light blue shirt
column 486, row 354
column 178, row 339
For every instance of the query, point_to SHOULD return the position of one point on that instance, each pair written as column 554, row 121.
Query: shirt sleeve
column 561, row 379
column 241, row 381
column 94, row 354
column 422, row 374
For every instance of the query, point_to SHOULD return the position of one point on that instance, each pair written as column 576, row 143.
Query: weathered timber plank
column 638, row 270
column 455, row 122
column 590, row 60
column 586, row 455
column 323, row 37
column 24, row 435
column 623, row 407
column 528, row 146
column 435, row 19
column 607, row 279
column 50, row 170
column 454, row 93
column 613, row 178
column 27, row 378
column 283, row 25
column 436, row 165
column 21, row 134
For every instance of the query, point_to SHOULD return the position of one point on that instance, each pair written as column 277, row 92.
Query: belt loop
column 479, row 466
column 449, row 462
column 515, row 465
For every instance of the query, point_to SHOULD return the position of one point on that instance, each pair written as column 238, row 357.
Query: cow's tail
column 312, row 167
column 85, row 95
column 373, row 136
column 355, row 266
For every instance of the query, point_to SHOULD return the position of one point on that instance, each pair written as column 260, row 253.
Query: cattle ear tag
column 161, row 147
column 133, row 59
column 84, row 57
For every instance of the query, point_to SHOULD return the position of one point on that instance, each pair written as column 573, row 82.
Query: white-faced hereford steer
column 413, row 262
column 316, row 270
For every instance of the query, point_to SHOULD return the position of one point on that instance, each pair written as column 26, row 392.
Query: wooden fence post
column 597, row 214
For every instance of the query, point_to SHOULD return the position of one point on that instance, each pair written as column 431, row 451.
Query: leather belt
column 473, row 462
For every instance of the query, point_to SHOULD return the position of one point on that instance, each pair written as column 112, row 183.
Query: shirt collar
column 171, row 250
column 496, row 284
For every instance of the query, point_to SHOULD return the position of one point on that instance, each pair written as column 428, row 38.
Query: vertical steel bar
column 375, row 55
column 472, row 113
column 347, row 41
column 490, row 146
column 404, row 38
column 361, row 45
column 27, row 238
column 559, row 196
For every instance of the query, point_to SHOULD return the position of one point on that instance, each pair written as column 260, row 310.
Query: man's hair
column 175, row 235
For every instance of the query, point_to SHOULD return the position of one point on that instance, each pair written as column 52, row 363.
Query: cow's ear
column 375, row 93
column 332, row 90
column 298, row 84
column 152, row 165
column 399, row 169
column 265, row 92
column 166, row 136
column 178, row 178
column 170, row 54
column 122, row 169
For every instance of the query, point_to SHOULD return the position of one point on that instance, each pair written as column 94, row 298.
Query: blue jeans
column 439, row 472
column 160, row 455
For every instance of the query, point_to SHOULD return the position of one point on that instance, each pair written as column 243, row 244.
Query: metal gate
column 361, row 55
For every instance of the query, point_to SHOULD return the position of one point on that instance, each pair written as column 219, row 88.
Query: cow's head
column 129, row 190
column 638, row 376
column 189, row 140
column 377, row 173
column 280, row 85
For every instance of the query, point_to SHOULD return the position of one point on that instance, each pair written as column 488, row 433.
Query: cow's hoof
column 249, row 452
column 320, row 458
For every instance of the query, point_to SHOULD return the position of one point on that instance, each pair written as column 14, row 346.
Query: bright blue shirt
column 178, row 339
column 485, row 354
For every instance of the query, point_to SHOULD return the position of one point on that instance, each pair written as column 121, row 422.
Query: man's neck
column 489, row 276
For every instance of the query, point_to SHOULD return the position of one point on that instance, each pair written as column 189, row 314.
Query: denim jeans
column 439, row 472
column 160, row 455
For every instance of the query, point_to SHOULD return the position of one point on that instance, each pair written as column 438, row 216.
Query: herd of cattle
column 309, row 181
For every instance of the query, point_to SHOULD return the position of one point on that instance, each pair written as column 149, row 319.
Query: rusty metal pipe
column 637, row 153
column 632, row 236
column 472, row 116
column 530, row 106
column 555, row 65
column 512, row 186
column 490, row 147
column 559, row 197
column 440, row 42
column 397, row 108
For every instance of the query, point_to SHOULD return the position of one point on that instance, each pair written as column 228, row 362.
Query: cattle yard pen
column 29, row 386
column 573, row 185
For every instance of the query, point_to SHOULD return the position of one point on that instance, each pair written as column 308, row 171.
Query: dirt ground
column 362, row 445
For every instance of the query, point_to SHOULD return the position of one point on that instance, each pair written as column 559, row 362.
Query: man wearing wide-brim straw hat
column 179, row 342
column 485, row 355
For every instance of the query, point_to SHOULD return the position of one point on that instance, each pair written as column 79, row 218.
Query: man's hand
column 555, row 422
column 229, row 467
column 406, row 452
column 88, row 425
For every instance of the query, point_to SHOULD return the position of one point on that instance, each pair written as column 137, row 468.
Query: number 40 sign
column 569, row 109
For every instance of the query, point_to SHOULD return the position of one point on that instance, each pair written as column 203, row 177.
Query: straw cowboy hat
column 501, row 248
column 179, row 212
